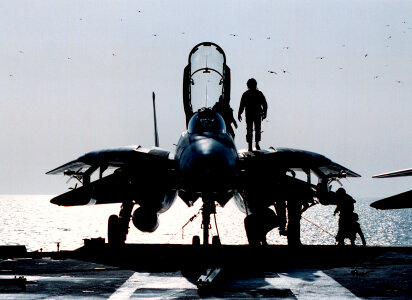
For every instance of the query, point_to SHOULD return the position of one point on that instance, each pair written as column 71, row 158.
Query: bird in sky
column 11, row 75
column 21, row 51
column 404, row 22
column 250, row 39
column 389, row 37
column 376, row 77
column 154, row 34
column 398, row 81
column 272, row 72
column 113, row 54
column 284, row 71
column 287, row 47
column 69, row 58
column 320, row 57
column 232, row 34
column 366, row 54
column 268, row 38
column 139, row 11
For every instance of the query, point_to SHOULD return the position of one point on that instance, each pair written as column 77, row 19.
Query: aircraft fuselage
column 207, row 159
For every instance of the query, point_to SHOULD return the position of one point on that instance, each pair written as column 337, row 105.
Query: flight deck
column 144, row 271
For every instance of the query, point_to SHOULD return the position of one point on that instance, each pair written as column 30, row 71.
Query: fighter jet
column 399, row 201
column 206, row 166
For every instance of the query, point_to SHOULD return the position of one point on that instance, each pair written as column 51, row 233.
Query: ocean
column 31, row 220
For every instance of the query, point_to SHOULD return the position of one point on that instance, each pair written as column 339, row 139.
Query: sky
column 77, row 76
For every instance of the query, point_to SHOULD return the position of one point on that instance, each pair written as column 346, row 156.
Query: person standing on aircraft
column 254, row 103
column 224, row 109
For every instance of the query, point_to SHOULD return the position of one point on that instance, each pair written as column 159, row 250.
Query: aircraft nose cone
column 208, row 165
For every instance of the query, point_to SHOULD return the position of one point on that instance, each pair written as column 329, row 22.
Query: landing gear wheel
column 113, row 230
column 196, row 240
column 216, row 240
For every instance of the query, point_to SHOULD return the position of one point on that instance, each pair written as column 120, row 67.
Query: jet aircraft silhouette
column 206, row 165
column 399, row 201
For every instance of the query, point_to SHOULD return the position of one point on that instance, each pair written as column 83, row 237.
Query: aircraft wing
column 117, row 157
column 287, row 158
column 406, row 172
column 136, row 168
column 403, row 200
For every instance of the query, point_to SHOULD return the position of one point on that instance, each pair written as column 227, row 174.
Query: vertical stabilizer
column 155, row 121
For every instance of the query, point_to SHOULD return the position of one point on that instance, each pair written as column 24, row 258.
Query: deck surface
column 134, row 273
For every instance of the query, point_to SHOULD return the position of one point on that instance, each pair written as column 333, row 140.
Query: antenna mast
column 155, row 121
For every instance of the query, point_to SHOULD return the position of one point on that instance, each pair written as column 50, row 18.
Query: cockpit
column 206, row 120
column 206, row 78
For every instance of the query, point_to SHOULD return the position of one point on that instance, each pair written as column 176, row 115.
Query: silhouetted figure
column 293, row 198
column 254, row 103
column 280, row 208
column 294, row 205
column 224, row 109
column 356, row 229
column 348, row 226
column 258, row 224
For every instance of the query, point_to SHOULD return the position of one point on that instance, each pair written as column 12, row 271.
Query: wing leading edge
column 135, row 166
column 406, row 172
column 289, row 158
column 117, row 157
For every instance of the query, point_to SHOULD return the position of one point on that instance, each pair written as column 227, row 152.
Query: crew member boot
column 250, row 147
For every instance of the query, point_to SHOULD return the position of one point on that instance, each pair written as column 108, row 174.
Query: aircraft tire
column 113, row 230
column 196, row 240
column 216, row 240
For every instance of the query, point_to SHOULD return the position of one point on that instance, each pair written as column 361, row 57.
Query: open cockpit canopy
column 205, row 78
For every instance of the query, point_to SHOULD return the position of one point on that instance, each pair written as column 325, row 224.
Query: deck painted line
column 167, row 282
column 126, row 290
column 311, row 284
column 303, row 283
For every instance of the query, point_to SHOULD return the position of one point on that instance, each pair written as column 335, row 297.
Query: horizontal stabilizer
column 403, row 200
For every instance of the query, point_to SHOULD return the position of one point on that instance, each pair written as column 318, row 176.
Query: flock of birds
column 281, row 70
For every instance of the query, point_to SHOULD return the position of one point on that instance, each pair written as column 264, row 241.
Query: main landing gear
column 118, row 226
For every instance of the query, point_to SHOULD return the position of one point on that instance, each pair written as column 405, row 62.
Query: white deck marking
column 130, row 286
column 168, row 282
column 311, row 284
column 304, row 284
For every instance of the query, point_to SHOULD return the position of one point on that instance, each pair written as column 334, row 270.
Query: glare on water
column 33, row 221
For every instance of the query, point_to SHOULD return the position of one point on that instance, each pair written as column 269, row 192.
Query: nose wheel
column 208, row 208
